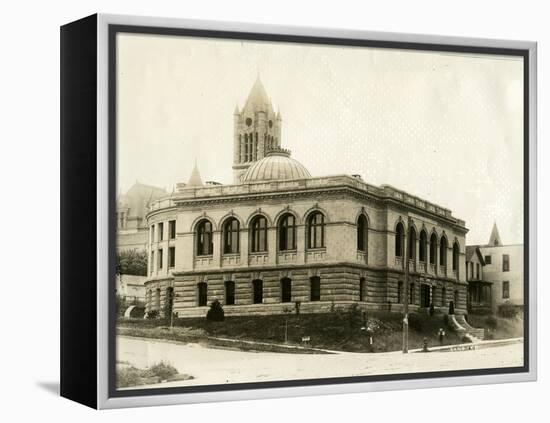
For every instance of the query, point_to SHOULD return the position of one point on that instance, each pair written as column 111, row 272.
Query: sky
column 445, row 127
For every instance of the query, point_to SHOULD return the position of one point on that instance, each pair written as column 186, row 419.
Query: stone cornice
column 344, row 185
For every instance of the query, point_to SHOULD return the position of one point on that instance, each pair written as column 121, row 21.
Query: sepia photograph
column 292, row 211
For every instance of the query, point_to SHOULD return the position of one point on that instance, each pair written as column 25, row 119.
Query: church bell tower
column 257, row 129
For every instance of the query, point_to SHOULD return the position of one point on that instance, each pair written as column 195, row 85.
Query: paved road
column 216, row 366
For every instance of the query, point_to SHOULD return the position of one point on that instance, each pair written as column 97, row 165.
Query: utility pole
column 406, row 294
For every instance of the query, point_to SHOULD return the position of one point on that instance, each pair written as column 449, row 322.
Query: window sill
column 317, row 249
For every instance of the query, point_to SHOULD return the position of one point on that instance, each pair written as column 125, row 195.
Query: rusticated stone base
column 340, row 288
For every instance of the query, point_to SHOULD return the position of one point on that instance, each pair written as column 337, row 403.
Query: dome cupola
column 276, row 165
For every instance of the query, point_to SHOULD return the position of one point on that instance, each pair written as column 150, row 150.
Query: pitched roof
column 258, row 99
column 195, row 179
column 494, row 239
column 474, row 249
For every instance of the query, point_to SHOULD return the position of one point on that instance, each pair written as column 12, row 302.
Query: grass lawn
column 339, row 330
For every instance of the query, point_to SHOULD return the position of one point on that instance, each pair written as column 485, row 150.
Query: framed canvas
column 253, row 211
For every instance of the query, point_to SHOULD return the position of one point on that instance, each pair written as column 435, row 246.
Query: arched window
column 202, row 294
column 231, row 236
column 315, row 291
column 399, row 239
column 443, row 297
column 258, row 291
column 456, row 254
column 411, row 293
column 362, row 289
column 433, row 249
column 229, row 292
column 423, row 247
column 204, row 238
column 443, row 252
column 412, row 244
column 258, row 234
column 287, row 232
column 286, row 290
column 316, row 230
column 456, row 297
column 362, row 227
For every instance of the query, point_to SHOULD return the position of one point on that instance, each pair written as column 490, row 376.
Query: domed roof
column 276, row 165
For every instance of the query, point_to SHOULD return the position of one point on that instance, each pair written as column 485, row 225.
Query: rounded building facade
column 281, row 239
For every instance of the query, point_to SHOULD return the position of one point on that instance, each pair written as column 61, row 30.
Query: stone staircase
column 462, row 327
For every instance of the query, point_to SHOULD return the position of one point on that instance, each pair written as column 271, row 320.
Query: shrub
column 355, row 316
column 128, row 376
column 152, row 314
column 216, row 313
column 163, row 370
column 491, row 322
column 508, row 311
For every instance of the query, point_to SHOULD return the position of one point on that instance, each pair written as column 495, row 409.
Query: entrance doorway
column 425, row 295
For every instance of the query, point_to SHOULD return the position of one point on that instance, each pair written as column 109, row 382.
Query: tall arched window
column 287, row 232
column 412, row 244
column 316, row 230
column 443, row 297
column 456, row 254
column 286, row 290
column 205, row 246
column 231, row 236
column 423, row 247
column 433, row 249
column 258, row 234
column 315, row 288
column 443, row 251
column 362, row 227
column 399, row 239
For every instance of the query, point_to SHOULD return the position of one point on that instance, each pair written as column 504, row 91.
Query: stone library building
column 278, row 238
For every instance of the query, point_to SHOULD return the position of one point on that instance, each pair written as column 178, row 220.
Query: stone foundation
column 340, row 288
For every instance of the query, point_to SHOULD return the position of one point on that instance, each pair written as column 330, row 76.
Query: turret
column 256, row 130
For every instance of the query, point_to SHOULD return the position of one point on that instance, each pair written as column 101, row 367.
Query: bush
column 163, row 370
column 152, row 314
column 491, row 322
column 452, row 307
column 508, row 311
column 128, row 376
column 216, row 313
column 355, row 316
